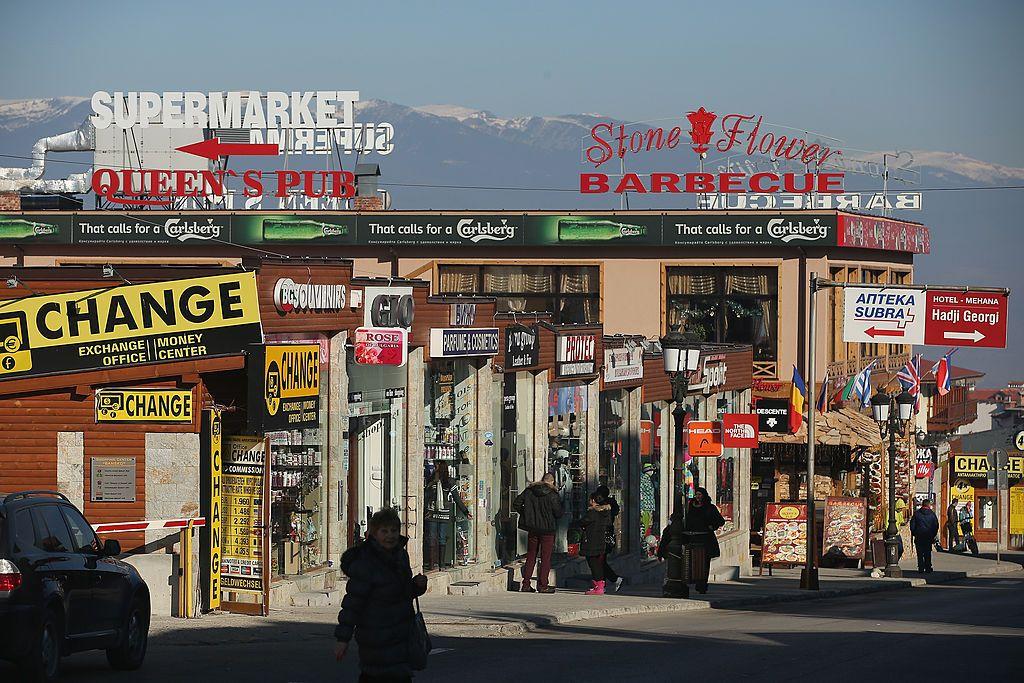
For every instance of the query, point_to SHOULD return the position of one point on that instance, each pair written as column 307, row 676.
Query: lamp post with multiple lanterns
column 890, row 423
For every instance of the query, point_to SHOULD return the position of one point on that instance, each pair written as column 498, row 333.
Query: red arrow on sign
column 875, row 332
column 213, row 148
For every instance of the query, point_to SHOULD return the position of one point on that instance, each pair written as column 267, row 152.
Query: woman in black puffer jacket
column 378, row 605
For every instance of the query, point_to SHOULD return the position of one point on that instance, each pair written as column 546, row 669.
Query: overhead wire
column 513, row 188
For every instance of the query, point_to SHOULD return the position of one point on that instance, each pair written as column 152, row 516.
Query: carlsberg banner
column 129, row 325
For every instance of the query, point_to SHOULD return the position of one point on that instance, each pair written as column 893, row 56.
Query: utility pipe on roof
column 82, row 139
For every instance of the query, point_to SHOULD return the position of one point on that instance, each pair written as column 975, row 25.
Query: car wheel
column 130, row 652
column 43, row 664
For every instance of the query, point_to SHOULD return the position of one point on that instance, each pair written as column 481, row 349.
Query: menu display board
column 785, row 534
column 846, row 527
column 243, row 498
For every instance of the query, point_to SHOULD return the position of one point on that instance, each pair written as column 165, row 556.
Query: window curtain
column 517, row 280
column 701, row 284
column 456, row 280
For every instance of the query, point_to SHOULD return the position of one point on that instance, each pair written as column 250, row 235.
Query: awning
column 843, row 427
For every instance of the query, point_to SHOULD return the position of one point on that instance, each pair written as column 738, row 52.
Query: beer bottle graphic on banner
column 19, row 229
column 277, row 230
column 583, row 230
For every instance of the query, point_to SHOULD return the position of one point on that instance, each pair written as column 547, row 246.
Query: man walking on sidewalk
column 924, row 526
column 539, row 508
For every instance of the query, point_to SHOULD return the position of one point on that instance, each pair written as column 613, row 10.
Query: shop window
column 725, row 492
column 567, row 456
column 652, row 518
column 611, row 465
column 450, row 436
column 570, row 294
column 737, row 305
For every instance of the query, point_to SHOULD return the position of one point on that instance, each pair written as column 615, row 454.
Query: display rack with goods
column 296, row 482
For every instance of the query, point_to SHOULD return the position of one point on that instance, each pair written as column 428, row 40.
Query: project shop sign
column 221, row 127
column 706, row 132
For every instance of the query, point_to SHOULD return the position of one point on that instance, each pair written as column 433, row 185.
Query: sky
column 934, row 75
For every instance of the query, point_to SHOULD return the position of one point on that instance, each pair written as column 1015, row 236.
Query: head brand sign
column 131, row 325
column 704, row 439
column 285, row 379
column 739, row 430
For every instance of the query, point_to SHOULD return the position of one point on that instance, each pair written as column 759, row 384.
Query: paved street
column 943, row 631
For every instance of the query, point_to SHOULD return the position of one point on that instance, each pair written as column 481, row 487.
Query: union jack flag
column 910, row 378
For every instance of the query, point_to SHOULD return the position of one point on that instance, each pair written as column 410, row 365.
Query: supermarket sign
column 707, row 132
column 270, row 124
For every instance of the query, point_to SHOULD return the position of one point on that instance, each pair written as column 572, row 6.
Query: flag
column 862, row 385
column 845, row 392
column 943, row 371
column 910, row 379
column 797, row 395
column 823, row 401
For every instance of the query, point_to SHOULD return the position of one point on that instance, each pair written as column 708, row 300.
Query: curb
column 529, row 624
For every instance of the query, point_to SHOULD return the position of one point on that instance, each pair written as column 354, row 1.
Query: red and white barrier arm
column 149, row 525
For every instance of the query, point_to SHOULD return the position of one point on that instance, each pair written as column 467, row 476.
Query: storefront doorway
column 370, row 474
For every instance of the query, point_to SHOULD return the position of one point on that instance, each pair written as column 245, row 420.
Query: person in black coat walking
column 378, row 605
column 539, row 508
column 612, row 580
column 698, row 533
column 924, row 526
column 593, row 545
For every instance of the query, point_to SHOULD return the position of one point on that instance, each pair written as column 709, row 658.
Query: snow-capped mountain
column 456, row 157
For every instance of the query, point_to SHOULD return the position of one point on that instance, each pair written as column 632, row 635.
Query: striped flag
column 797, row 396
column 910, row 379
column 823, row 401
column 862, row 385
column 943, row 371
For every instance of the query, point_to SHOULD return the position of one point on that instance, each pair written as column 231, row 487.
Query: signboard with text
column 381, row 346
column 129, row 325
column 243, row 499
column 112, row 480
column 918, row 316
column 522, row 346
column 463, row 341
column 284, row 387
column 773, row 415
column 704, row 439
column 785, row 534
column 739, row 430
column 846, row 527
column 167, row 406
column 575, row 355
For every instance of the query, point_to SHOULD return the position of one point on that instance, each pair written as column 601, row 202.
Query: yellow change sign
column 288, row 382
column 144, row 405
column 129, row 325
column 961, row 491
column 970, row 465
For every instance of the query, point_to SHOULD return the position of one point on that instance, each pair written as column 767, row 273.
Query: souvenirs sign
column 846, row 527
column 168, row 406
column 785, row 534
column 129, row 325
column 284, row 386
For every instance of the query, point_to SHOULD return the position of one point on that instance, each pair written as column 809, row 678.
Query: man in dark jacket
column 378, row 604
column 924, row 526
column 539, row 508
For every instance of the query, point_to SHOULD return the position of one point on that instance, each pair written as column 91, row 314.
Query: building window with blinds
column 570, row 294
column 735, row 305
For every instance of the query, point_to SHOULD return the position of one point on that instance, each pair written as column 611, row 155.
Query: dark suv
column 61, row 591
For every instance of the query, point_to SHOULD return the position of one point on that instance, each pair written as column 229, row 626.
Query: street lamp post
column 891, row 423
column 679, row 362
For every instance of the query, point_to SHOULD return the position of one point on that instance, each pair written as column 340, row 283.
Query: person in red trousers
column 539, row 508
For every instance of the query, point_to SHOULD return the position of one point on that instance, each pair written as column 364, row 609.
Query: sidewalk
column 510, row 614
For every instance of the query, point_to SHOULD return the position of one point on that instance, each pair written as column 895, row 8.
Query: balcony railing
column 843, row 369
